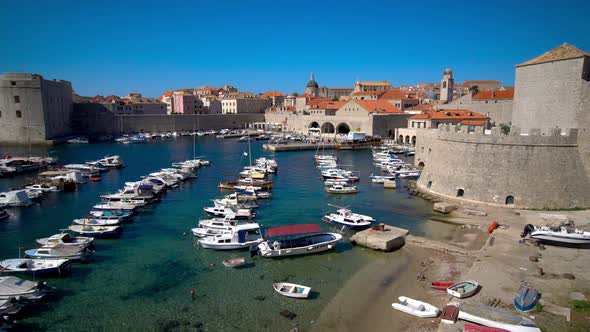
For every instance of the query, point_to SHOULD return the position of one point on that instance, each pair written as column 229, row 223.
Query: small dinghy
column 22, row 289
column 96, row 231
column 292, row 290
column 526, row 299
column 416, row 308
column 234, row 262
column 441, row 285
column 35, row 266
column 463, row 289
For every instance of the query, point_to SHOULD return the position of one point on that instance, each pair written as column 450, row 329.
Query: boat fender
column 528, row 229
column 493, row 226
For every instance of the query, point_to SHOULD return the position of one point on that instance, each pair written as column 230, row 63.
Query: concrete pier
column 297, row 147
column 390, row 239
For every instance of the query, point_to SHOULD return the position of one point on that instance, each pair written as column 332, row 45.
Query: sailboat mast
column 249, row 150
column 194, row 134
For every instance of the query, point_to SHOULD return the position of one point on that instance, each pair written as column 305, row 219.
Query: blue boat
column 526, row 299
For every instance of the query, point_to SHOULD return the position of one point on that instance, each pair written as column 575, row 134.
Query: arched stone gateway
column 342, row 128
column 510, row 200
column 314, row 125
column 413, row 140
column 407, row 140
column 401, row 139
column 328, row 128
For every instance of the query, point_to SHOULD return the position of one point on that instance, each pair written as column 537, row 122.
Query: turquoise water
column 144, row 279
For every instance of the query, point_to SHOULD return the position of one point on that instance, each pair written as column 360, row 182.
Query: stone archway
column 342, row 128
column 327, row 128
column 407, row 140
column 421, row 165
column 314, row 125
column 401, row 139
column 414, row 140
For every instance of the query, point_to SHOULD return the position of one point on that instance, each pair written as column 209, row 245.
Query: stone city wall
column 543, row 169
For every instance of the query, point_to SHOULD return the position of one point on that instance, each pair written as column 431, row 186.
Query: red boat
column 442, row 285
column 95, row 178
column 479, row 328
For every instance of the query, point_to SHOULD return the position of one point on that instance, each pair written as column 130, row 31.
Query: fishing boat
column 22, row 289
column 97, row 221
column 240, row 237
column 291, row 240
column 340, row 189
column 526, row 298
column 292, row 290
column 416, row 308
column 35, row 266
column 123, row 215
column 56, row 252
column 67, row 240
column 42, row 188
column 345, row 217
column 97, row 231
column 565, row 234
column 234, row 262
column 463, row 289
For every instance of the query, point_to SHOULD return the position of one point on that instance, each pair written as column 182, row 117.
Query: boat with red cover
column 300, row 239
column 441, row 285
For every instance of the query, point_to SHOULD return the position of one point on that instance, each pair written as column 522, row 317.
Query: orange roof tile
column 368, row 93
column 377, row 106
column 317, row 101
column 476, row 82
column 450, row 114
column 397, row 94
column 494, row 94
column 272, row 94
column 376, row 83
column 422, row 107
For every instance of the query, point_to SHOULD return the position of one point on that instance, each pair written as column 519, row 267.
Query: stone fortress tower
column 446, row 86
column 543, row 163
column 312, row 87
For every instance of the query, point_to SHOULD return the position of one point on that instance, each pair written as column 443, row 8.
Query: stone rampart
column 539, row 169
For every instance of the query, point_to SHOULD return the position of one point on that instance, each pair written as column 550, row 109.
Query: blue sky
column 116, row 47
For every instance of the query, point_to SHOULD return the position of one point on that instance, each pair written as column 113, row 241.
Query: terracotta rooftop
column 494, row 94
column 377, row 106
column 331, row 105
column 272, row 94
column 476, row 82
column 450, row 114
column 563, row 52
column 397, row 94
column 317, row 101
column 422, row 107
column 368, row 93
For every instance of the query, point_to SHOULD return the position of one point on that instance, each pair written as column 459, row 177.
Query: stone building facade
column 496, row 104
column 542, row 167
column 244, row 104
column 34, row 110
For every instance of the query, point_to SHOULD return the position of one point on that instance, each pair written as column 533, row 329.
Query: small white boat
column 240, row 237
column 345, row 217
column 463, row 289
column 97, row 222
column 56, row 252
column 22, row 289
column 35, row 266
column 78, row 140
column 115, row 206
column 42, row 188
column 562, row 235
column 524, row 326
column 15, row 198
column 109, row 161
column 234, row 262
column 96, row 231
column 416, row 308
column 292, row 290
column 340, row 189
column 65, row 239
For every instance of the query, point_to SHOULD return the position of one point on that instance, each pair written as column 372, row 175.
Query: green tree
column 335, row 99
column 474, row 89
column 295, row 94
column 505, row 128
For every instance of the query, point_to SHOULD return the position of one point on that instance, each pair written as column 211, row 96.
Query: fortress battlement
column 535, row 136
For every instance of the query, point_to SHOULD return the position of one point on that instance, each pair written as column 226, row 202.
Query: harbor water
column 144, row 279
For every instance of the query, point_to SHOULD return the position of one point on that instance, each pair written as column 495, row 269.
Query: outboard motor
column 528, row 229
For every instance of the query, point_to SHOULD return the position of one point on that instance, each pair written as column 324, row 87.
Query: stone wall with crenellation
column 539, row 169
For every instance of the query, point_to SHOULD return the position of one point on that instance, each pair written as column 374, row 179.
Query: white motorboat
column 56, row 252
column 35, row 266
column 109, row 161
column 234, row 200
column 230, row 211
column 65, row 239
column 34, row 195
column 15, row 198
column 340, row 189
column 44, row 188
column 114, row 206
column 140, row 192
column 240, row 237
column 463, row 289
column 292, row 290
column 78, row 140
column 97, row 222
column 301, row 239
column 381, row 178
column 13, row 287
column 331, row 182
column 345, row 217
column 562, row 235
column 416, row 308
column 215, row 226
column 96, row 231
